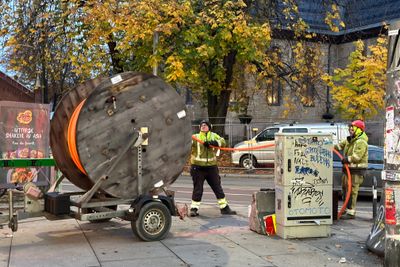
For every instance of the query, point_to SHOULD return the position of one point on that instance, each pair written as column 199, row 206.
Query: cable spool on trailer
column 95, row 122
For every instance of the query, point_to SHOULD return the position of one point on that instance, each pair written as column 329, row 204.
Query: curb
column 240, row 175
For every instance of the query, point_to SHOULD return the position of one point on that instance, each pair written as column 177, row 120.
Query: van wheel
column 248, row 162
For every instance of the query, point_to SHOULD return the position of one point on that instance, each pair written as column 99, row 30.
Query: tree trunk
column 217, row 110
column 44, row 83
column 218, row 105
column 115, row 57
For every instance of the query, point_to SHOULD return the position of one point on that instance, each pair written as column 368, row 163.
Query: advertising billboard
column 24, row 133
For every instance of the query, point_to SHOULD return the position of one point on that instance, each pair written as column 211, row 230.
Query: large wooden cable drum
column 112, row 111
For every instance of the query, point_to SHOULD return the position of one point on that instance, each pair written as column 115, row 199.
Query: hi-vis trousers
column 211, row 175
column 357, row 179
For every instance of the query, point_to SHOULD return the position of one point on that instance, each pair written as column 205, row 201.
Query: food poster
column 24, row 133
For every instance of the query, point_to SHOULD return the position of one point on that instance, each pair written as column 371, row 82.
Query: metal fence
column 235, row 132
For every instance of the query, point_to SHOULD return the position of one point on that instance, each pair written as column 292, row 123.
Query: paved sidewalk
column 208, row 240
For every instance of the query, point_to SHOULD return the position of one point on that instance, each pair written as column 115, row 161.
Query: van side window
column 294, row 130
column 267, row 135
column 288, row 130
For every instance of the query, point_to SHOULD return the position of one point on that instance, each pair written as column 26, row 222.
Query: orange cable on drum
column 71, row 137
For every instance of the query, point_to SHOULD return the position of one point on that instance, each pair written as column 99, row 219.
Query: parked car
column 252, row 158
column 375, row 167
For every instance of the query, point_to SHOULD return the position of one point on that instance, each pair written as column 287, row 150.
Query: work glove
column 345, row 160
column 214, row 143
column 349, row 138
column 206, row 144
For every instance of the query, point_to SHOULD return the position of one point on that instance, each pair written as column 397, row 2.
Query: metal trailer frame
column 149, row 213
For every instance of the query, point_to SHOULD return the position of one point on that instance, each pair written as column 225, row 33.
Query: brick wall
column 10, row 90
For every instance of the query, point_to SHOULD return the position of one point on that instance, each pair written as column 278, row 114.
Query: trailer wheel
column 13, row 223
column 153, row 222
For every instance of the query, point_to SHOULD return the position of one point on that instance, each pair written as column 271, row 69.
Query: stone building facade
column 265, row 114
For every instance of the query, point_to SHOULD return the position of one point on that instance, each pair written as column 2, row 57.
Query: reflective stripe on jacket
column 356, row 150
column 202, row 156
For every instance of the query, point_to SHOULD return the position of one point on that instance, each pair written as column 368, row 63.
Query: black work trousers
column 209, row 173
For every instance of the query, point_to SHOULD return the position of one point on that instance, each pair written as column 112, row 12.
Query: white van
column 250, row 158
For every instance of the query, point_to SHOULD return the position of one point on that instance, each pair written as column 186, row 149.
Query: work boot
column 194, row 212
column 227, row 211
column 347, row 216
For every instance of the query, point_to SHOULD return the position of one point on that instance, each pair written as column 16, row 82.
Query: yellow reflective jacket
column 202, row 156
column 356, row 150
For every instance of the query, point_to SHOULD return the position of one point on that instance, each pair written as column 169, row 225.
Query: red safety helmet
column 359, row 124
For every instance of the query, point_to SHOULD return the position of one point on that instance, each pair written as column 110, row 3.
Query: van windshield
column 267, row 135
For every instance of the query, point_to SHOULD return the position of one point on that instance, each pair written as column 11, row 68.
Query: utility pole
column 391, row 173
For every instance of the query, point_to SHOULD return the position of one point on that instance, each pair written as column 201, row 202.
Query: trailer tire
column 153, row 222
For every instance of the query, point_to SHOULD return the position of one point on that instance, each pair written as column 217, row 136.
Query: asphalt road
column 238, row 191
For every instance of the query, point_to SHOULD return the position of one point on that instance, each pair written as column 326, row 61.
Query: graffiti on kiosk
column 318, row 159
column 306, row 171
column 315, row 181
column 311, row 141
column 307, row 193
column 310, row 157
column 299, row 157
column 298, row 181
column 318, row 155
column 319, row 181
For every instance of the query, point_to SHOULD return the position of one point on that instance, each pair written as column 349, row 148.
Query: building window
column 274, row 92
